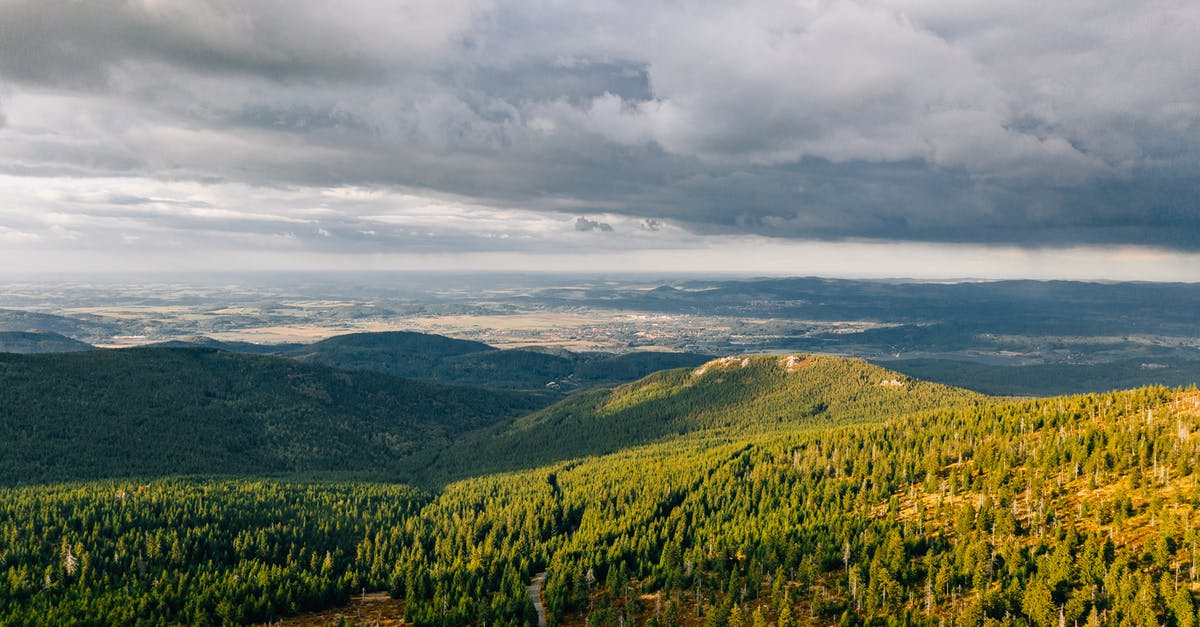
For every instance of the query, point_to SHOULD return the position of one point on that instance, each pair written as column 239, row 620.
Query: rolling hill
column 202, row 410
column 447, row 360
column 401, row 353
column 39, row 342
column 84, row 328
column 731, row 395
column 160, row 411
column 202, row 341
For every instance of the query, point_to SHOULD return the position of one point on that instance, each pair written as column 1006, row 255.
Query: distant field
column 310, row 321
column 1050, row 379
column 572, row 331
column 131, row 311
column 524, row 321
column 286, row 334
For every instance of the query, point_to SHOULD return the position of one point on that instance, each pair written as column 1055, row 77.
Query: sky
column 917, row 138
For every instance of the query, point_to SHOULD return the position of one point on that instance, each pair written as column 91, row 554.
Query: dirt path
column 535, row 595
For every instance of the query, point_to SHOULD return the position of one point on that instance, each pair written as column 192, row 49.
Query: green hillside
column 401, row 353
column 39, row 342
column 201, row 341
column 1070, row 510
column 448, row 360
column 159, row 411
column 732, row 395
column 563, row 371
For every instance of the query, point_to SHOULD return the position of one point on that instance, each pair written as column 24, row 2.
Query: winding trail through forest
column 535, row 595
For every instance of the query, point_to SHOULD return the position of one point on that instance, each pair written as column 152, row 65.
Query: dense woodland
column 730, row 396
column 780, row 492
column 39, row 342
column 154, row 411
column 462, row 362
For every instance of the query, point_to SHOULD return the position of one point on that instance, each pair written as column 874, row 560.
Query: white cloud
column 14, row 236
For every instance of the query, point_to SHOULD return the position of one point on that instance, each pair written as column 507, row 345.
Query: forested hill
column 1074, row 510
column 731, row 395
column 395, row 352
column 448, row 360
column 423, row 356
column 159, row 411
column 201, row 341
column 90, row 328
column 39, row 342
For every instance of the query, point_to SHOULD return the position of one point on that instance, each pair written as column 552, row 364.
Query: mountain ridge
column 739, row 394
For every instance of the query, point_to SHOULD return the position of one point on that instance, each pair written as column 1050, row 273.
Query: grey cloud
column 62, row 42
column 901, row 120
column 586, row 225
column 578, row 82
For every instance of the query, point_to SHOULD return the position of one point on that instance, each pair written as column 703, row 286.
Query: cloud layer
column 486, row 125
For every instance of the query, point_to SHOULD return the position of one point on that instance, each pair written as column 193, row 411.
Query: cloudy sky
column 895, row 137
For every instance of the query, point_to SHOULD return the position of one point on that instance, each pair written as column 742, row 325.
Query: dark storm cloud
column 65, row 42
column 915, row 120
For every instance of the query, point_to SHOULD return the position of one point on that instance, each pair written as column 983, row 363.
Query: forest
column 146, row 412
column 778, row 490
